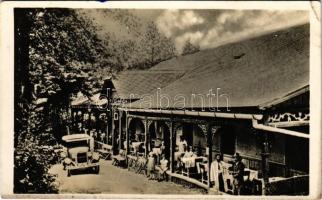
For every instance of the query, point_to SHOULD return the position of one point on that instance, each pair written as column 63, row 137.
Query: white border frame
column 7, row 90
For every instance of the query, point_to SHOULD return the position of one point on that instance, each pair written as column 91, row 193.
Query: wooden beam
column 150, row 118
column 185, row 120
column 288, row 124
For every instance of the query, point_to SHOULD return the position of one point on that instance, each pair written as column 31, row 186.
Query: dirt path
column 114, row 180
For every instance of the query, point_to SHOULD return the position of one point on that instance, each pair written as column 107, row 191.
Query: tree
column 54, row 47
column 189, row 48
column 154, row 47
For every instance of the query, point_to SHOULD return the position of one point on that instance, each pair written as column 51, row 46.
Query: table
column 136, row 146
column 189, row 162
column 156, row 151
column 177, row 155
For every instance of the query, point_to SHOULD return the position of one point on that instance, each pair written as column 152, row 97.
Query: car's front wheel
column 97, row 169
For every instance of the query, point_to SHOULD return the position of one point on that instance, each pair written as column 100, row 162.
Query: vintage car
column 79, row 153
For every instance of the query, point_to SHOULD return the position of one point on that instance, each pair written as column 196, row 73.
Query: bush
column 32, row 162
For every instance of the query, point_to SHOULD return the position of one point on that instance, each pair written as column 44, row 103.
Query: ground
column 114, row 180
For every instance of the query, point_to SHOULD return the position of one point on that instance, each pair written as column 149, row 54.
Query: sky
column 206, row 28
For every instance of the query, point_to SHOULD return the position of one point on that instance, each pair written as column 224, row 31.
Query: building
column 249, row 96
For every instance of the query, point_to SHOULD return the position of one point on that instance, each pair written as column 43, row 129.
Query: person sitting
column 189, row 153
column 151, row 166
column 162, row 168
column 125, row 144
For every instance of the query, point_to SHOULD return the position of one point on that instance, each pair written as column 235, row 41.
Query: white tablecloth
column 136, row 145
column 156, row 151
column 177, row 155
column 189, row 162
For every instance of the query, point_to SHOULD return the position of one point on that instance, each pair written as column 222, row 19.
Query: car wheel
column 97, row 169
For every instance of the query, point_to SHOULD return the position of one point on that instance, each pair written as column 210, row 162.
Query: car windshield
column 80, row 143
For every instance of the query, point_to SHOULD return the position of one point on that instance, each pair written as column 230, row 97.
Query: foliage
column 61, row 47
column 189, row 48
column 155, row 47
column 32, row 162
column 59, row 53
column 141, row 47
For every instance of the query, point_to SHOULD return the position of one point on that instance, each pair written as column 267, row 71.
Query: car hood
column 74, row 151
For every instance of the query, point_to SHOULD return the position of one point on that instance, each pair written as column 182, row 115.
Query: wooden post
column 265, row 163
column 97, row 121
column 89, row 120
column 82, row 121
column 209, row 144
column 172, row 145
column 113, row 132
column 127, row 148
column 145, row 136
column 72, row 118
column 120, row 130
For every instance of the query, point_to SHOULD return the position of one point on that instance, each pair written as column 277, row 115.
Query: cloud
column 230, row 17
column 208, row 28
column 172, row 20
column 194, row 38
column 204, row 27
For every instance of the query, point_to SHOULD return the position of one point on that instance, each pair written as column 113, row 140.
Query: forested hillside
column 59, row 52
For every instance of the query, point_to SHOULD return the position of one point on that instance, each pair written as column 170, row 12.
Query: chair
column 141, row 165
column 105, row 151
column 119, row 160
column 185, row 170
column 160, row 176
column 131, row 162
column 204, row 174
column 246, row 175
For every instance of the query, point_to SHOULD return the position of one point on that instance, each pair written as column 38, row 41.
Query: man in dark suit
column 238, row 173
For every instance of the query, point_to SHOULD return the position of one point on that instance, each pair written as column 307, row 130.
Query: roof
column 183, row 63
column 95, row 100
column 80, row 99
column 137, row 83
column 249, row 73
column 75, row 137
column 98, row 100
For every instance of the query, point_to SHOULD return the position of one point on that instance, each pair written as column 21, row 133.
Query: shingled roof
column 250, row 72
column 143, row 82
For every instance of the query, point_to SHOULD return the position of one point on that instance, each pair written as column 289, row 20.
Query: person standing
column 216, row 173
column 238, row 173
column 150, row 166
column 182, row 144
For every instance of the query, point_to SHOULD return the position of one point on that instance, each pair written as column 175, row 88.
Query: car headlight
column 96, row 156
